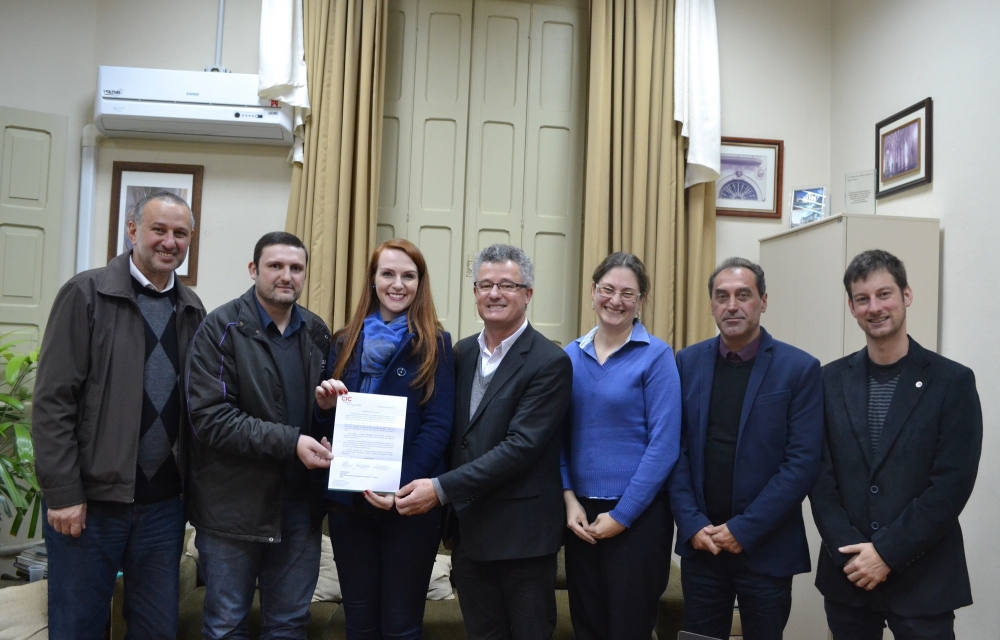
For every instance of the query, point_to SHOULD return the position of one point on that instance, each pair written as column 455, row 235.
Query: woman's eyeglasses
column 625, row 295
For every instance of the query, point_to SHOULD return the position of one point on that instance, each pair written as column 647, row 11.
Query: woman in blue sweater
column 622, row 441
column 394, row 345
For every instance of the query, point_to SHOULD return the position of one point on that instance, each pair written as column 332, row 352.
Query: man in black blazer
column 904, row 431
column 514, row 387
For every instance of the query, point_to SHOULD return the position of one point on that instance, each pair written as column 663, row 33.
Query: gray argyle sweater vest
column 157, row 477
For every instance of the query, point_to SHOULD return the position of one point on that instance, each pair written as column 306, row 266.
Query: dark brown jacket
column 88, row 391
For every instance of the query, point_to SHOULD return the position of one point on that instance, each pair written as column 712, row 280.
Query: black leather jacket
column 240, row 444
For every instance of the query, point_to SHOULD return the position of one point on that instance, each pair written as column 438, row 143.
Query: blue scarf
column 382, row 340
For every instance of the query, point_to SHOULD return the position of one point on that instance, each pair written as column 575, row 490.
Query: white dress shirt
column 489, row 362
column 144, row 281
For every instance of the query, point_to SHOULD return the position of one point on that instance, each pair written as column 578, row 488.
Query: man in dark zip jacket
column 108, row 430
column 250, row 376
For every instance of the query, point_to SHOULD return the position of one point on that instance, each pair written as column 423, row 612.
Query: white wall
column 245, row 195
column 774, row 58
column 819, row 75
column 887, row 56
column 51, row 50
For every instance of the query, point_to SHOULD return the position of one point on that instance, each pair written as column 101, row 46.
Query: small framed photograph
column 808, row 205
column 750, row 181
column 904, row 150
column 132, row 181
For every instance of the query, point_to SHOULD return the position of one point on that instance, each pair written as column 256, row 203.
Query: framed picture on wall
column 132, row 181
column 749, row 184
column 904, row 150
column 808, row 205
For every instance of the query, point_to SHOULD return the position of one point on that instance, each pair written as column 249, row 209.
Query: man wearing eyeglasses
column 751, row 439
column 514, row 387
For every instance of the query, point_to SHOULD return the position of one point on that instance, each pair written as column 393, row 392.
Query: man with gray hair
column 751, row 437
column 514, row 387
column 109, row 440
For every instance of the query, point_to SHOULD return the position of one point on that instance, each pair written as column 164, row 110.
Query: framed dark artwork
column 904, row 149
column 132, row 181
column 749, row 183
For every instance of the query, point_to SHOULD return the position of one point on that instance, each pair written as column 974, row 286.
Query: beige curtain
column 333, row 205
column 635, row 199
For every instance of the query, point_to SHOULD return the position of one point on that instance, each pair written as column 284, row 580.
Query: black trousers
column 863, row 623
column 615, row 585
column 384, row 561
column 506, row 599
column 713, row 583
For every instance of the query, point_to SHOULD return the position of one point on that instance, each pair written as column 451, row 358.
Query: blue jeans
column 145, row 542
column 863, row 623
column 285, row 572
column 712, row 583
column 384, row 561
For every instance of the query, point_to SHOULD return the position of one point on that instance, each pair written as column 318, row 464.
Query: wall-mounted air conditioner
column 188, row 105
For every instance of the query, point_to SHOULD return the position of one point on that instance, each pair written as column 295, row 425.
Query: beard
column 278, row 297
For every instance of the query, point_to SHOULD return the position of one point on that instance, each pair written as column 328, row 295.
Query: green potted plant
column 19, row 491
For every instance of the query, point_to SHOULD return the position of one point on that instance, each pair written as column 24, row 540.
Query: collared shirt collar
column 144, row 281
column 746, row 353
column 265, row 320
column 490, row 361
column 638, row 334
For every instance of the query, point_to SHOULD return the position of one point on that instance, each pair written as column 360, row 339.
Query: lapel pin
column 919, row 384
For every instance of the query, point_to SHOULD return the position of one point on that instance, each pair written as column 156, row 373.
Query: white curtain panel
column 282, row 72
column 697, row 101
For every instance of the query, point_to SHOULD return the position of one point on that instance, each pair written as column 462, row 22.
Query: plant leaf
column 12, row 489
column 36, row 507
column 14, row 402
column 14, row 369
column 25, row 449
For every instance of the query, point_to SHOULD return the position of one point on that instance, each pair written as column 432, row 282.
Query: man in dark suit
column 513, row 389
column 904, row 431
column 751, row 437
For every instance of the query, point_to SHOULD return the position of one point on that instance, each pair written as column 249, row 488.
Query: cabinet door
column 497, row 120
column 437, row 158
column 32, row 161
column 553, row 176
column 805, row 297
column 819, row 296
column 397, row 121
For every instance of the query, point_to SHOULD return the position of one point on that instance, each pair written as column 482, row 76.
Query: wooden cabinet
column 804, row 269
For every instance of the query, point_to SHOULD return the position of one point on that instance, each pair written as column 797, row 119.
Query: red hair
column 421, row 318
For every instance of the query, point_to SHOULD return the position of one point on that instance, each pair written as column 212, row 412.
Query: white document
column 368, row 442
column 859, row 192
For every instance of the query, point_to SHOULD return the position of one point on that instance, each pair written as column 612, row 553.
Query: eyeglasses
column 485, row 286
column 625, row 295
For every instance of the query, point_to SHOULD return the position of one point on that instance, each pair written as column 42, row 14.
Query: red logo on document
column 345, row 398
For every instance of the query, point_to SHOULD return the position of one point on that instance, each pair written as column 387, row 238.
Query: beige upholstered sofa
column 442, row 618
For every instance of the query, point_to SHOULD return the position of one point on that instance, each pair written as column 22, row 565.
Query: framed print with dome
column 749, row 183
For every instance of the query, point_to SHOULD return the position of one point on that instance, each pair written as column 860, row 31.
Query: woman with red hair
column 394, row 345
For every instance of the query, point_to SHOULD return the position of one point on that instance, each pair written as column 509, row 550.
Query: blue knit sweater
column 624, row 422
